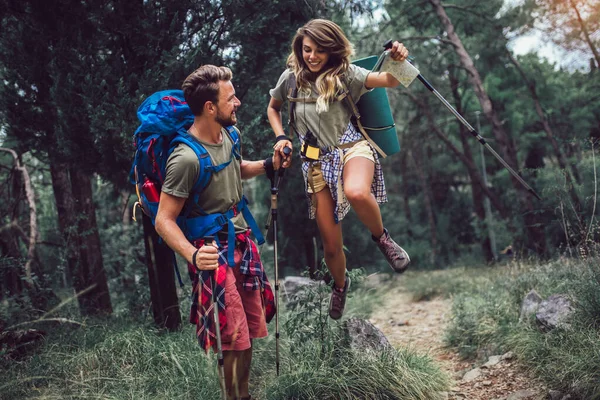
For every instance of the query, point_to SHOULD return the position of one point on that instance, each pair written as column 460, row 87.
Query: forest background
column 74, row 72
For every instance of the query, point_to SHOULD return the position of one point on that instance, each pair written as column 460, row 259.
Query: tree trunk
column 468, row 163
column 19, row 270
column 312, row 256
column 536, row 239
column 163, row 293
column 476, row 189
column 586, row 34
column 11, row 270
column 562, row 162
column 90, row 275
column 427, row 202
column 406, row 194
column 65, row 207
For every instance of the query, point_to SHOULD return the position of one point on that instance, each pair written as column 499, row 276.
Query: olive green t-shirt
column 224, row 189
column 329, row 126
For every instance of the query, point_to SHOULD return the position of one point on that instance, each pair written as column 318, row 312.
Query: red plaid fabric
column 251, row 267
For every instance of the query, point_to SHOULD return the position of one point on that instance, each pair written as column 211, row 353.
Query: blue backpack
column 164, row 122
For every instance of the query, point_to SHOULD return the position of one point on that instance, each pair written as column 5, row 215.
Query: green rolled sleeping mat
column 376, row 114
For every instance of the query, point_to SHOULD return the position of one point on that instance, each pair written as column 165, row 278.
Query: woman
column 340, row 168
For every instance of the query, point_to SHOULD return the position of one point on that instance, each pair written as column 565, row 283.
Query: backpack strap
column 345, row 96
column 206, row 164
column 292, row 99
column 236, row 150
column 203, row 158
column 211, row 224
column 349, row 101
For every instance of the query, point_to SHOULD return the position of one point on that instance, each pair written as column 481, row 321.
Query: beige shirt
column 329, row 126
column 224, row 189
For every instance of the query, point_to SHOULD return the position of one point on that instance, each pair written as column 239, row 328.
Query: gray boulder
column 554, row 312
column 294, row 288
column 530, row 304
column 364, row 336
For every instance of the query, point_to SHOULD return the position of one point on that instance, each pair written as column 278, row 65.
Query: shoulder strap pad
column 236, row 150
column 204, row 174
column 292, row 90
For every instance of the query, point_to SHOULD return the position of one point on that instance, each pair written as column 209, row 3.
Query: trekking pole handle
column 286, row 151
column 208, row 240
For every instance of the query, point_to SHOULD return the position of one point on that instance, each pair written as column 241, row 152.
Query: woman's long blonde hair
column 330, row 37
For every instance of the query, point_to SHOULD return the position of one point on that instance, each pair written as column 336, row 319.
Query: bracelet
column 282, row 137
column 194, row 258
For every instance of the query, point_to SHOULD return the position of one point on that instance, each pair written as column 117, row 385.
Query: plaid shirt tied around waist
column 332, row 167
column 255, row 278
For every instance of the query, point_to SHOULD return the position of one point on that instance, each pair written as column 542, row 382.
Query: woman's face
column 314, row 56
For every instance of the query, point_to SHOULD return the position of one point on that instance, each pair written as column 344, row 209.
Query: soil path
column 421, row 326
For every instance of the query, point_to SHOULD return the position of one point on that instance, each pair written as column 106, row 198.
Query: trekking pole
column 407, row 73
column 221, row 365
column 275, row 182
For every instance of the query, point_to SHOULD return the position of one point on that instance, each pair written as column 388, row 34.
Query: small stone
column 487, row 383
column 521, row 395
column 493, row 360
column 555, row 395
column 472, row 375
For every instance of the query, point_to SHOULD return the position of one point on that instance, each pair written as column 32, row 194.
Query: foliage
column 572, row 25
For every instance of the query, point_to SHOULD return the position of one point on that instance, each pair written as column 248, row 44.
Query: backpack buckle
column 221, row 220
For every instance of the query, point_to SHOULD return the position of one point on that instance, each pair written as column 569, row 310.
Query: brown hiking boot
column 337, row 302
column 394, row 254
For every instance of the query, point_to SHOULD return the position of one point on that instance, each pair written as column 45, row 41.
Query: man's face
column 227, row 104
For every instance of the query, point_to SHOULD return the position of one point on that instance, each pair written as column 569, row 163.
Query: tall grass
column 316, row 364
column 115, row 360
column 120, row 359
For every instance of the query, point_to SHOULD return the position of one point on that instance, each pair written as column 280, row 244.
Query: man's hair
column 202, row 85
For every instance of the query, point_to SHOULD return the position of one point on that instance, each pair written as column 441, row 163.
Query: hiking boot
column 337, row 302
column 394, row 254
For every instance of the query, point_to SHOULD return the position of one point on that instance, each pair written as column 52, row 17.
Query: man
column 211, row 97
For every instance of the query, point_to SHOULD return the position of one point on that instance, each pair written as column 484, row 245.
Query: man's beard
column 225, row 120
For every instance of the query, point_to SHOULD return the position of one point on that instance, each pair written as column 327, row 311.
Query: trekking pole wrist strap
column 282, row 137
column 194, row 262
column 268, row 166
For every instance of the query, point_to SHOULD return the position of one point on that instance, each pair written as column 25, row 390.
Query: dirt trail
column 421, row 325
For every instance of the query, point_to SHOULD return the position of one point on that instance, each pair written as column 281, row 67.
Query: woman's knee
column 357, row 193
